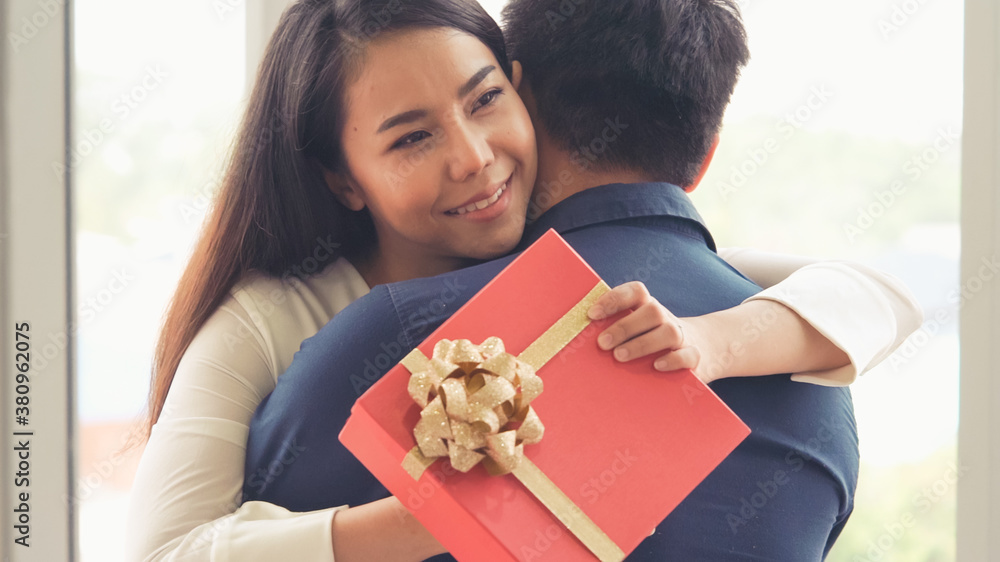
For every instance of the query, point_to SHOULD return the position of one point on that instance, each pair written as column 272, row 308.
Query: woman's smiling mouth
column 482, row 203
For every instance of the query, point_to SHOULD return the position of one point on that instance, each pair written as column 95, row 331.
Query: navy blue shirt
column 783, row 494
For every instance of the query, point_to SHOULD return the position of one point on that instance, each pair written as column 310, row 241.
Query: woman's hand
column 381, row 530
column 755, row 338
column 650, row 329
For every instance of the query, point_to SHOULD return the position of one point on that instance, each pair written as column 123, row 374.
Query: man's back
column 783, row 494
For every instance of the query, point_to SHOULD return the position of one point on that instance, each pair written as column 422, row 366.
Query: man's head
column 662, row 70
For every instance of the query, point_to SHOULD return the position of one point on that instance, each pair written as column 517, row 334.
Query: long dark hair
column 273, row 208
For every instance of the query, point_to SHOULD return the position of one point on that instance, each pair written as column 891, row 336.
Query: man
column 627, row 99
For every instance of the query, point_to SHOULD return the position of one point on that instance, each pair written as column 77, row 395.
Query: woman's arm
column 186, row 499
column 827, row 322
column 381, row 530
column 865, row 312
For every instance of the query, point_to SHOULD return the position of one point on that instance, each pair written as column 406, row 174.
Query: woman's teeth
column 479, row 205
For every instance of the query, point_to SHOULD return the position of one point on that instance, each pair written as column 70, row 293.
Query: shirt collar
column 614, row 202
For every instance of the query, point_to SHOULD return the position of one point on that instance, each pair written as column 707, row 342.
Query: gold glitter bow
column 476, row 402
column 476, row 407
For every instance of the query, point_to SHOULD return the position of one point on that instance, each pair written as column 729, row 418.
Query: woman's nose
column 470, row 152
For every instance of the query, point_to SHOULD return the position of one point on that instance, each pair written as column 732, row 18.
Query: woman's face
column 438, row 147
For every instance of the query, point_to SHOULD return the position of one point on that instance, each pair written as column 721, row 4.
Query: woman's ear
column 344, row 189
column 704, row 166
column 516, row 73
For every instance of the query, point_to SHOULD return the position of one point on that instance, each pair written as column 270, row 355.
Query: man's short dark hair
column 663, row 70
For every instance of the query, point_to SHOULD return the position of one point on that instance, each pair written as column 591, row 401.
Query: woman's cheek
column 523, row 135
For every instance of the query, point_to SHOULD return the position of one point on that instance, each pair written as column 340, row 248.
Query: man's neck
column 562, row 174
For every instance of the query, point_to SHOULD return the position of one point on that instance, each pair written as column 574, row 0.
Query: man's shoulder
column 424, row 304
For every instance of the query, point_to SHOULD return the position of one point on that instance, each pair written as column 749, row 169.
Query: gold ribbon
column 476, row 407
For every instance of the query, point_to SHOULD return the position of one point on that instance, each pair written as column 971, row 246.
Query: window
column 844, row 141
column 157, row 98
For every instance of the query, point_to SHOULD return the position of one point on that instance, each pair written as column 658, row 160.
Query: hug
column 432, row 152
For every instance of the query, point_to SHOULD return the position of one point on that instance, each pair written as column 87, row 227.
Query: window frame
column 36, row 271
column 979, row 328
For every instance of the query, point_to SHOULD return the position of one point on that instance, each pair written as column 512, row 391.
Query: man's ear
column 704, row 166
column 344, row 189
column 522, row 85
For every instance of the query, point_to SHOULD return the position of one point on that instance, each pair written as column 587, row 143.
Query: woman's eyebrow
column 401, row 119
column 416, row 114
column 475, row 80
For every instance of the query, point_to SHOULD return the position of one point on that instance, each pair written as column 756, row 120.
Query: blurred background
column 842, row 142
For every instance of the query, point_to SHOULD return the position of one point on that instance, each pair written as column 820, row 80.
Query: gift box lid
column 624, row 443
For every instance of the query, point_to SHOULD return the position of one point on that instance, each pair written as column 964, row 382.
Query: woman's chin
column 499, row 236
column 498, row 246
column 495, row 251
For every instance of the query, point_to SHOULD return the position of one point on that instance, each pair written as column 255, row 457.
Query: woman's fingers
column 683, row 358
column 649, row 329
column 643, row 319
column 661, row 336
column 623, row 297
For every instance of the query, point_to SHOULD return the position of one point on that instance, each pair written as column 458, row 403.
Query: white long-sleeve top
column 185, row 498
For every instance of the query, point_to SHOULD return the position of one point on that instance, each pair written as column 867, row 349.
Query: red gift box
column 623, row 442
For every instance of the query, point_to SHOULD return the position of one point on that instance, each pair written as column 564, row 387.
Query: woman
column 309, row 189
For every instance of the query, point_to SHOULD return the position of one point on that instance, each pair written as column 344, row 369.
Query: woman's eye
column 411, row 139
column 487, row 98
